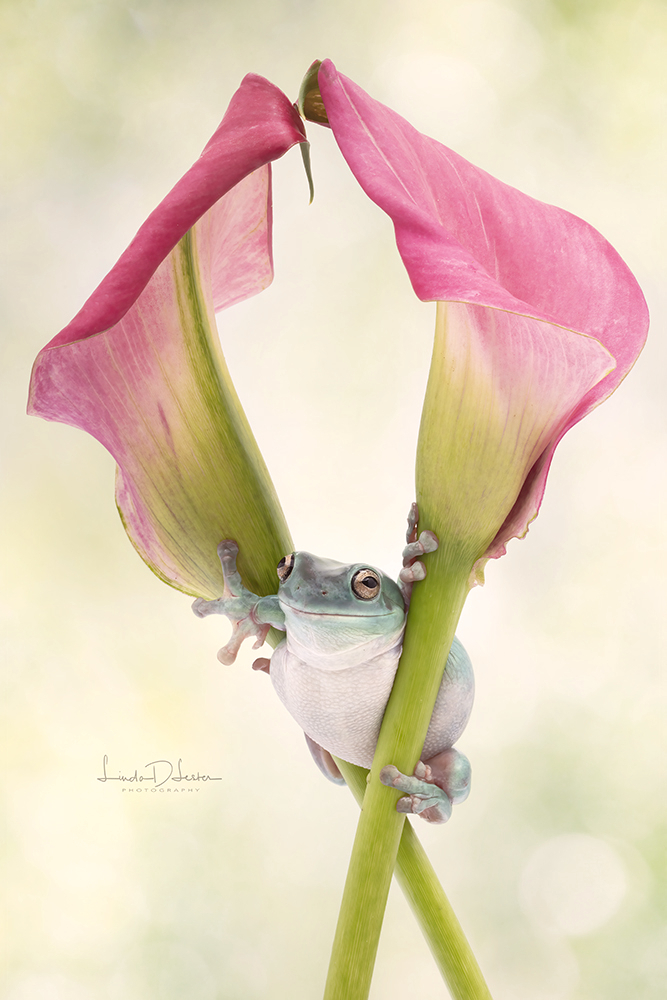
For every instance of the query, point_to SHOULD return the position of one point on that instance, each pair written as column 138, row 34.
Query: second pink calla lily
column 538, row 320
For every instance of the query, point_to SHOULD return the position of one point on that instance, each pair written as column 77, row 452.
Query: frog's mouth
column 333, row 614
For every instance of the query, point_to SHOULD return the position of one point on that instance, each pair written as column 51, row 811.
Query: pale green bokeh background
column 555, row 864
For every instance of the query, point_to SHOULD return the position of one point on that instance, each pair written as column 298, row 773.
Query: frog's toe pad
column 423, row 797
column 202, row 608
column 262, row 663
column 413, row 573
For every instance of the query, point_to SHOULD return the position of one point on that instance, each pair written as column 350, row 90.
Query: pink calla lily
column 539, row 321
column 140, row 366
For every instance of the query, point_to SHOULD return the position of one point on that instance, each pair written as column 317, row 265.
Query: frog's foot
column 423, row 797
column 237, row 603
column 325, row 761
column 262, row 663
column 434, row 787
column 417, row 545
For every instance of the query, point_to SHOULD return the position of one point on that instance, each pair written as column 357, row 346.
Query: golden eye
column 365, row 584
column 285, row 566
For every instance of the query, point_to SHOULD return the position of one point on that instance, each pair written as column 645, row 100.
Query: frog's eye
column 285, row 567
column 366, row 584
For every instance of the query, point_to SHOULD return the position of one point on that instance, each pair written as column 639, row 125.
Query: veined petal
column 141, row 369
column 466, row 237
column 259, row 126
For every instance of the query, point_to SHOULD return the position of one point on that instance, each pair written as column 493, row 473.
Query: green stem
column 420, row 885
column 434, row 613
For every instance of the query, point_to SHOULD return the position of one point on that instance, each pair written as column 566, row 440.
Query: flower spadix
column 141, row 369
column 538, row 320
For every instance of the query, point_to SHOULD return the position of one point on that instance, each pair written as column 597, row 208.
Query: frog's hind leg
column 436, row 785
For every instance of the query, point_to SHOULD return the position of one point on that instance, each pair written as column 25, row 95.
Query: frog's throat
column 379, row 651
column 344, row 643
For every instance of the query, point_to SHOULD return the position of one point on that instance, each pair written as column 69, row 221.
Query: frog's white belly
column 340, row 709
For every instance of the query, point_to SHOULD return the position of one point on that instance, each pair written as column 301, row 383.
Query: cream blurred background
column 555, row 865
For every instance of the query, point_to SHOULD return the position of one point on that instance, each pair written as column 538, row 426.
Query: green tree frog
column 334, row 670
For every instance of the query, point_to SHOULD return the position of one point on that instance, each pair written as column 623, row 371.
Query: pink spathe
column 260, row 125
column 140, row 367
column 466, row 237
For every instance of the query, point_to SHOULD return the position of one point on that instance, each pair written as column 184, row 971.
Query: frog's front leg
column 436, row 785
column 249, row 614
column 417, row 545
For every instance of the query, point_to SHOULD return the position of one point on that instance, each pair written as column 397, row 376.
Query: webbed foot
column 434, row 787
column 237, row 603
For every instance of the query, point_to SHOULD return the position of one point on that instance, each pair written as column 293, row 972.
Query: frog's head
column 332, row 608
